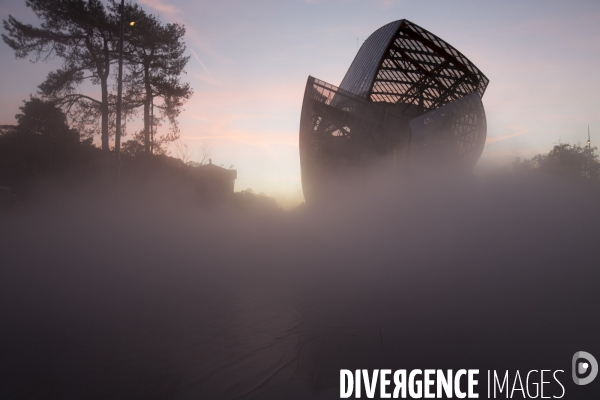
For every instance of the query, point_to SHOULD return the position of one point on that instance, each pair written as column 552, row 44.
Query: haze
column 153, row 281
column 154, row 299
column 250, row 61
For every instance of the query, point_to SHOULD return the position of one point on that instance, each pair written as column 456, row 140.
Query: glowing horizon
column 249, row 64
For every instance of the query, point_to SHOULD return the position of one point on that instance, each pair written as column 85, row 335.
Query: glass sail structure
column 407, row 95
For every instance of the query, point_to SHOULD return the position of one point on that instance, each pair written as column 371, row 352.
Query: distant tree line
column 42, row 152
column 564, row 160
column 85, row 35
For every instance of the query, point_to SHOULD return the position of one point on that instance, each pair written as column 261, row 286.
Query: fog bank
column 126, row 297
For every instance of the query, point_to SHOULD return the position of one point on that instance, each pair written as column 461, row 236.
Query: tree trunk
column 147, row 104
column 147, row 125
column 102, row 65
column 152, row 128
column 104, row 108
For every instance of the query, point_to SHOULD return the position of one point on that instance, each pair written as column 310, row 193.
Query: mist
column 127, row 295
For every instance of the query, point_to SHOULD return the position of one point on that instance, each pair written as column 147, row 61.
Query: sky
column 250, row 60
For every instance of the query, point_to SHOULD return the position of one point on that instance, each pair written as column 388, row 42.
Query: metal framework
column 407, row 94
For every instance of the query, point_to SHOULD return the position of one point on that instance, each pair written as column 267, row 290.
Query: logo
column 584, row 363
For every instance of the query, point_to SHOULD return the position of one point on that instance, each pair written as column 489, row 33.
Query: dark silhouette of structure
column 217, row 182
column 408, row 97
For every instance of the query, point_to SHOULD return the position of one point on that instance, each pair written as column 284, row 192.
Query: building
column 216, row 183
column 408, row 97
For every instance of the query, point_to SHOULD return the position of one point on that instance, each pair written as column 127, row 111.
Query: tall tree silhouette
column 156, row 60
column 82, row 34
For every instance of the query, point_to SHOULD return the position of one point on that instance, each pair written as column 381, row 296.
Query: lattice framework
column 421, row 69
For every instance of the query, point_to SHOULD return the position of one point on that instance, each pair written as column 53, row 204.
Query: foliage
column 133, row 148
column 82, row 34
column 85, row 35
column 41, row 145
column 155, row 58
column 43, row 149
column 563, row 160
column 247, row 199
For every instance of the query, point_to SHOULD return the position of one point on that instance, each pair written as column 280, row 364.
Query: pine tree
column 82, row 34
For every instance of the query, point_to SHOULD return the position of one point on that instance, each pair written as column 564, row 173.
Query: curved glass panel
column 453, row 134
column 409, row 99
column 338, row 130
column 359, row 78
column 404, row 63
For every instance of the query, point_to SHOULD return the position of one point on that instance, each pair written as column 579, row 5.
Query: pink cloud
column 519, row 132
column 158, row 5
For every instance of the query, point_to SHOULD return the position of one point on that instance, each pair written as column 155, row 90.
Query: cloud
column 160, row 6
column 519, row 132
column 201, row 63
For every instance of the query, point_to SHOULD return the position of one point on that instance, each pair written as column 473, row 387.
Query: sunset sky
column 251, row 58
